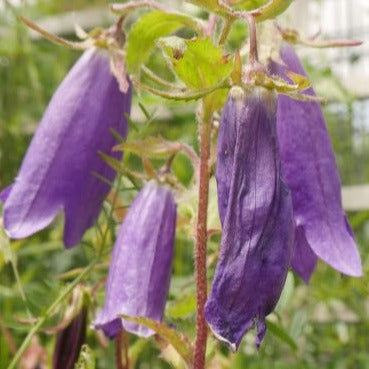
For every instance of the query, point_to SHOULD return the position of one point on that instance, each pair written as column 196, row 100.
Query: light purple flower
column 4, row 194
column 310, row 170
column 60, row 166
column 141, row 262
column 256, row 211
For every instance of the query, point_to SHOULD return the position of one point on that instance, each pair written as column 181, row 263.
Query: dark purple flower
column 60, row 166
column 141, row 262
column 310, row 170
column 258, row 228
column 69, row 342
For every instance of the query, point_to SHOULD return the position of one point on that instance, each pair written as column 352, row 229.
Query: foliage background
column 322, row 325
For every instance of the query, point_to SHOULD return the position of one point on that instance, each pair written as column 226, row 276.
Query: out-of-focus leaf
column 170, row 355
column 287, row 293
column 298, row 323
column 149, row 28
column 150, row 147
column 182, row 307
column 201, row 64
column 5, row 248
column 279, row 332
column 179, row 341
column 86, row 359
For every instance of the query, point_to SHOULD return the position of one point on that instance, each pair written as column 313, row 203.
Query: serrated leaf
column 172, row 45
column 202, row 65
column 86, row 359
column 179, row 341
column 279, row 332
column 147, row 30
column 150, row 147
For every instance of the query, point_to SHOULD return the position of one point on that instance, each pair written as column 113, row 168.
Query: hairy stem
column 201, row 238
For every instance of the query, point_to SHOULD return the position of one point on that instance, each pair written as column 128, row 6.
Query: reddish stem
column 121, row 340
column 201, row 240
column 253, row 56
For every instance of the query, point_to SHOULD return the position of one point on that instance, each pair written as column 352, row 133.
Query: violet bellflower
column 256, row 212
column 141, row 262
column 61, row 167
column 311, row 173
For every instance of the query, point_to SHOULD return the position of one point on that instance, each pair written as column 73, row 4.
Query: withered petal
column 258, row 228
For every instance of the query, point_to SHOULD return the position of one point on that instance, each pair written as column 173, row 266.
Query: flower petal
column 141, row 262
column 310, row 170
column 258, row 227
column 58, row 169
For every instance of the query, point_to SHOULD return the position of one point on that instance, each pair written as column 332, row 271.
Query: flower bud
column 61, row 167
column 69, row 342
column 256, row 211
column 141, row 262
column 310, row 170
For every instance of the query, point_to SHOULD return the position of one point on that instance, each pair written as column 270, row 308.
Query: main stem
column 201, row 238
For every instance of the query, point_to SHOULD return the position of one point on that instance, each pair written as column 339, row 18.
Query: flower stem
column 201, row 237
column 67, row 290
column 253, row 55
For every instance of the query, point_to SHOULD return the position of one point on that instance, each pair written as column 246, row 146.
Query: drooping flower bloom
column 310, row 170
column 256, row 211
column 141, row 262
column 61, row 167
column 69, row 342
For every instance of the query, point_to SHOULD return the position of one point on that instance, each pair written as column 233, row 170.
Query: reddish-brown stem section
column 121, row 340
column 253, row 56
column 201, row 240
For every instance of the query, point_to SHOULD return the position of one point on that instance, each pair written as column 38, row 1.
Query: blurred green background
column 322, row 325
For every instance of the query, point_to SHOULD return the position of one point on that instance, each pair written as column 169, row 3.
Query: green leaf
column 287, row 293
column 86, row 359
column 272, row 9
column 5, row 248
column 150, row 147
column 179, row 341
column 212, row 5
column 148, row 29
column 182, row 307
column 202, row 64
column 279, row 332
column 299, row 80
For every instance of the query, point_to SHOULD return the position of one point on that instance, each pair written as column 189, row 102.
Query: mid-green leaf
column 148, row 29
column 180, row 342
column 202, row 64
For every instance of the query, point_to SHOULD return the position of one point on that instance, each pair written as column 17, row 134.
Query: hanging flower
column 62, row 169
column 310, row 169
column 256, row 211
column 141, row 262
